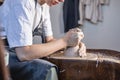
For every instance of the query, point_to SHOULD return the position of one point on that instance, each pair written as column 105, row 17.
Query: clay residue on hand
column 79, row 49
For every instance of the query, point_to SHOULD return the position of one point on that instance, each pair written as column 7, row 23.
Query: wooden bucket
column 100, row 64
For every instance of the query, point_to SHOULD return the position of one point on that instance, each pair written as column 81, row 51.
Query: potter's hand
column 80, row 34
column 82, row 50
column 54, row 2
column 72, row 37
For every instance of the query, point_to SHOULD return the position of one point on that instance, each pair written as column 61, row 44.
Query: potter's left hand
column 82, row 50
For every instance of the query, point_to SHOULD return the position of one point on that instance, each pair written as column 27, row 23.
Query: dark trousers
column 36, row 69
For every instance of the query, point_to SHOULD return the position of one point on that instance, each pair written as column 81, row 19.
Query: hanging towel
column 100, row 12
column 93, row 10
column 95, row 13
column 88, row 9
column 81, row 11
column 70, row 14
column 105, row 1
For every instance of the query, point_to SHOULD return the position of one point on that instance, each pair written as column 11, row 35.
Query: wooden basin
column 100, row 64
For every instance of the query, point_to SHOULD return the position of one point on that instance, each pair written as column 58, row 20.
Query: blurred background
column 103, row 35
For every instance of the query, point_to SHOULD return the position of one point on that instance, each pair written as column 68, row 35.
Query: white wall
column 104, row 35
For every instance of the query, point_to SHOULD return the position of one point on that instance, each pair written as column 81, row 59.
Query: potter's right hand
column 71, row 37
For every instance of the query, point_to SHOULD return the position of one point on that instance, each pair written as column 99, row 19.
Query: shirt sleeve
column 46, row 21
column 19, row 24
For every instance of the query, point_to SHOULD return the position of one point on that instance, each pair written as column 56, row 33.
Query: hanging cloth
column 70, row 14
column 93, row 10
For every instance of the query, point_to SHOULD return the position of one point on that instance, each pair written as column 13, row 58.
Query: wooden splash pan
column 100, row 64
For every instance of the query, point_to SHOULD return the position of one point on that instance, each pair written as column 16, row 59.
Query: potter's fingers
column 80, row 34
column 78, row 30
